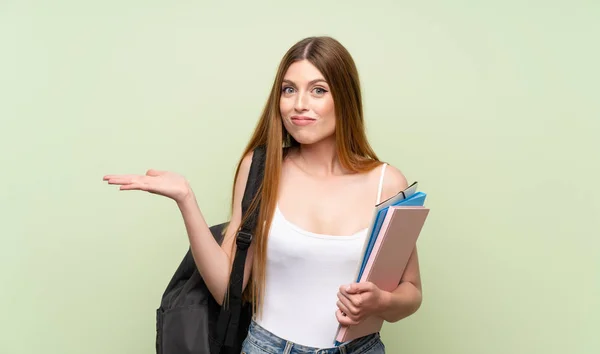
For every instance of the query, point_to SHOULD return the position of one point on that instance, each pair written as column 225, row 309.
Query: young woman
column 321, row 182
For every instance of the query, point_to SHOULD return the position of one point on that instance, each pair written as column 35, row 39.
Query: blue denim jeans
column 261, row 341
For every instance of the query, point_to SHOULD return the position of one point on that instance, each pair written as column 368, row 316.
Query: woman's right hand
column 164, row 183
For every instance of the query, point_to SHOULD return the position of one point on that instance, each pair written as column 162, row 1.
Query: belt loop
column 288, row 347
column 342, row 349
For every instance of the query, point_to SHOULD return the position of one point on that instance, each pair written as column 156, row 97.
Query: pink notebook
column 395, row 243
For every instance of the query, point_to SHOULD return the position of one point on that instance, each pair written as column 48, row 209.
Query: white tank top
column 304, row 271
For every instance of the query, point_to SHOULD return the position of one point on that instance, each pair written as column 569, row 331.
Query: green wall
column 491, row 105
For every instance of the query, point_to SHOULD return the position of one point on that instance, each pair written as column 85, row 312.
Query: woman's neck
column 320, row 159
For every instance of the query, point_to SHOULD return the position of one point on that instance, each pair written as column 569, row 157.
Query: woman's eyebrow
column 312, row 82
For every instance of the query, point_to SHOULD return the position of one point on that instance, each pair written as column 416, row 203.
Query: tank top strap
column 380, row 189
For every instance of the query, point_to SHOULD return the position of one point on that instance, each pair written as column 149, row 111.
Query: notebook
column 384, row 267
column 408, row 197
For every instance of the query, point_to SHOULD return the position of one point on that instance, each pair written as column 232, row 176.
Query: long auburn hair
column 353, row 149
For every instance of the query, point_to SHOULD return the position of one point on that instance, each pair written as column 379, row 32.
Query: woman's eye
column 319, row 90
column 288, row 90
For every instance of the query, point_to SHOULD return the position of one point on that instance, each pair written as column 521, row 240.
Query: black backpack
column 189, row 320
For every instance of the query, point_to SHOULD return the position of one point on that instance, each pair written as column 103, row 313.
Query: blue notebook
column 409, row 197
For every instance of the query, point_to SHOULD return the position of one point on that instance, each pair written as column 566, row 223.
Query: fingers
column 126, row 179
column 128, row 182
column 343, row 307
column 344, row 320
column 349, row 289
column 355, row 299
column 122, row 181
column 134, row 186
column 120, row 178
column 347, row 306
column 151, row 172
column 356, row 288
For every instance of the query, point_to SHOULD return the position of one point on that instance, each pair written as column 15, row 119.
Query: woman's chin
column 309, row 139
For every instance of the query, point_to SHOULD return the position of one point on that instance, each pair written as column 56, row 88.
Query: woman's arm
column 213, row 261
column 357, row 301
column 407, row 297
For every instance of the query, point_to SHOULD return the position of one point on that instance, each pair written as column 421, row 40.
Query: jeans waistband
column 262, row 337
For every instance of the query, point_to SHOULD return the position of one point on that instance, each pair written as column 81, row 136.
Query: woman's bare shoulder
column 394, row 181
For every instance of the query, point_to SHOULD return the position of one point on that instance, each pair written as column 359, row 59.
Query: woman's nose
column 301, row 102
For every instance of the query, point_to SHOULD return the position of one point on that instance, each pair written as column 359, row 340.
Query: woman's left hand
column 358, row 301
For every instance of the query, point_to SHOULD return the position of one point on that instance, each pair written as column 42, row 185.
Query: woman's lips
column 302, row 120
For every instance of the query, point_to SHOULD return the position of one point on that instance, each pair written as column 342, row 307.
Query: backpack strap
column 229, row 316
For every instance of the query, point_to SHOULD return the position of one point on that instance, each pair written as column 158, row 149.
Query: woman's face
column 306, row 104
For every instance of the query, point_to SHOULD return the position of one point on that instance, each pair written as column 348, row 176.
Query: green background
column 491, row 105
